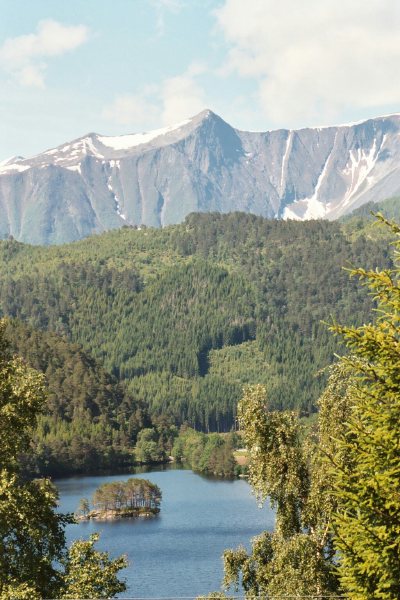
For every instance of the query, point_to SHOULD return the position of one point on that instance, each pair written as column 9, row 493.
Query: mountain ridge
column 96, row 182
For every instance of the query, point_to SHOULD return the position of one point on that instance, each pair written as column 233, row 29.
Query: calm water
column 179, row 552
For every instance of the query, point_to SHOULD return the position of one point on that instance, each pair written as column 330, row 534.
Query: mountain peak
column 207, row 115
column 200, row 164
column 163, row 134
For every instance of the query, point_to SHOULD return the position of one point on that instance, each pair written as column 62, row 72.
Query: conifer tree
column 368, row 483
column 336, row 493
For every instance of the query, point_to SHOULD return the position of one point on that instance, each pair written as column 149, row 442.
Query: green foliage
column 361, row 222
column 133, row 495
column 21, row 397
column 173, row 311
column 240, row 365
column 18, row 591
column 75, row 381
column 288, row 467
column 367, row 482
column 91, row 574
column 85, row 426
column 31, row 533
column 32, row 540
column 147, row 449
column 181, row 302
column 84, row 507
column 352, row 506
column 207, row 403
column 277, row 466
column 211, row 454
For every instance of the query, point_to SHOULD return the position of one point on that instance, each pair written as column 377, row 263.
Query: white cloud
column 133, row 109
column 182, row 96
column 25, row 56
column 314, row 59
column 174, row 99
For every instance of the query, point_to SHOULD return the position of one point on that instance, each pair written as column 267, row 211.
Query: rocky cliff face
column 99, row 182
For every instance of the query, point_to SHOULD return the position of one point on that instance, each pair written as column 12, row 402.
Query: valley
column 153, row 329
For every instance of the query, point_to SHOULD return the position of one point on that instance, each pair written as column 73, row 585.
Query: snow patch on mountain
column 288, row 147
column 305, row 209
column 361, row 164
column 125, row 142
column 11, row 160
column 14, row 167
column 116, row 200
column 76, row 168
column 200, row 164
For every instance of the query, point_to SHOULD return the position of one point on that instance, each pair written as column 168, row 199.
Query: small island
column 122, row 499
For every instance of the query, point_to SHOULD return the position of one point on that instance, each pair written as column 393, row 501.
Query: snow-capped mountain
column 203, row 164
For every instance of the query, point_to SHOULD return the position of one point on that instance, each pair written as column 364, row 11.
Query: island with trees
column 122, row 499
column 334, row 481
column 35, row 561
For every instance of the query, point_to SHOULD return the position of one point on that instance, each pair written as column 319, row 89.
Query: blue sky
column 121, row 66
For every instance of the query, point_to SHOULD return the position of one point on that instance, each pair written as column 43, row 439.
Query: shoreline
column 113, row 515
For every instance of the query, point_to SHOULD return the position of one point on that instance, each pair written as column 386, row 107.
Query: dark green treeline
column 181, row 318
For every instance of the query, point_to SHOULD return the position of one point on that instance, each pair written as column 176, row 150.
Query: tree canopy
column 367, row 483
column 287, row 466
column 186, row 315
column 335, row 486
column 34, row 559
column 134, row 496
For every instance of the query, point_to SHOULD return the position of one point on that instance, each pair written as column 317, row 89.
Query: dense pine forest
column 157, row 328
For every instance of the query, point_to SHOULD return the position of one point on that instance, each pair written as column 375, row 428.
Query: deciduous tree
column 90, row 573
column 34, row 561
column 298, row 558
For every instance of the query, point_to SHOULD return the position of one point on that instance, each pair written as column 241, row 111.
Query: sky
column 70, row 67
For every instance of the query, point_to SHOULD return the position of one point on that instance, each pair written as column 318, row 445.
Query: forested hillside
column 186, row 315
column 90, row 422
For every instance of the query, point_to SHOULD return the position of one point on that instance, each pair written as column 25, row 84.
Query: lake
column 178, row 553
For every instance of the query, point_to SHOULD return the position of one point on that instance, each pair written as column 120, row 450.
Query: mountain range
column 97, row 183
